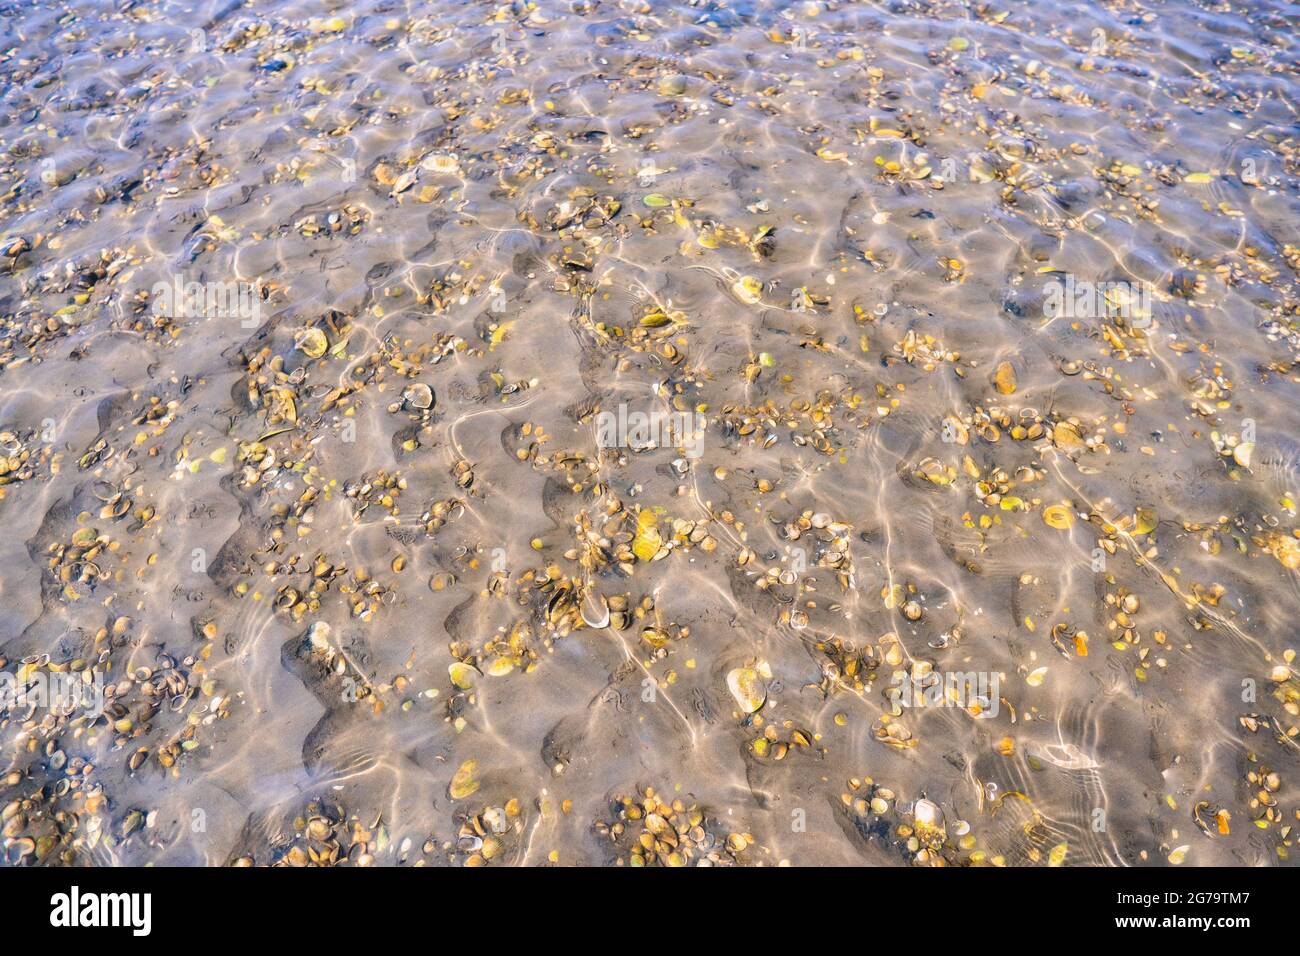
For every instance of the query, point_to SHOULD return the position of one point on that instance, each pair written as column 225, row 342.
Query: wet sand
column 649, row 434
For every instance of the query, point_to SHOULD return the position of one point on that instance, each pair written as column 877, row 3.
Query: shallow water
column 832, row 230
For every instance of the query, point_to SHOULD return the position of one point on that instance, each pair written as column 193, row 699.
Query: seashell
column 747, row 687
column 748, row 290
column 115, row 509
column 418, row 395
column 929, row 822
column 595, row 610
column 311, row 342
column 464, row 781
column 1058, row 516
column 654, row 636
column 441, row 163
column 462, row 674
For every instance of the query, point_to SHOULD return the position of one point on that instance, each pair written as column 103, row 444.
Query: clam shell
column 595, row 610
column 311, row 342
column 441, row 163
column 747, row 688
column 929, row 820
column 462, row 674
column 464, row 781
column 418, row 395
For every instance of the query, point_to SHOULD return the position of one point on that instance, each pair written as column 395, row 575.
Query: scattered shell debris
column 705, row 434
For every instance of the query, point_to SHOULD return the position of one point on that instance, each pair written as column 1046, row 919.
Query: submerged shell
column 595, row 610
column 1058, row 516
column 462, row 674
column 464, row 781
column 418, row 395
column 441, row 163
column 929, row 821
column 312, row 343
column 319, row 636
column 747, row 688
column 748, row 290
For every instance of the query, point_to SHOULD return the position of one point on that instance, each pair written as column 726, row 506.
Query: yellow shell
column 1004, row 378
column 747, row 687
column 1066, row 435
column 464, row 781
column 1058, row 517
column 500, row 667
column 1146, row 521
column 748, row 290
column 646, row 544
column 462, row 674
column 312, row 343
